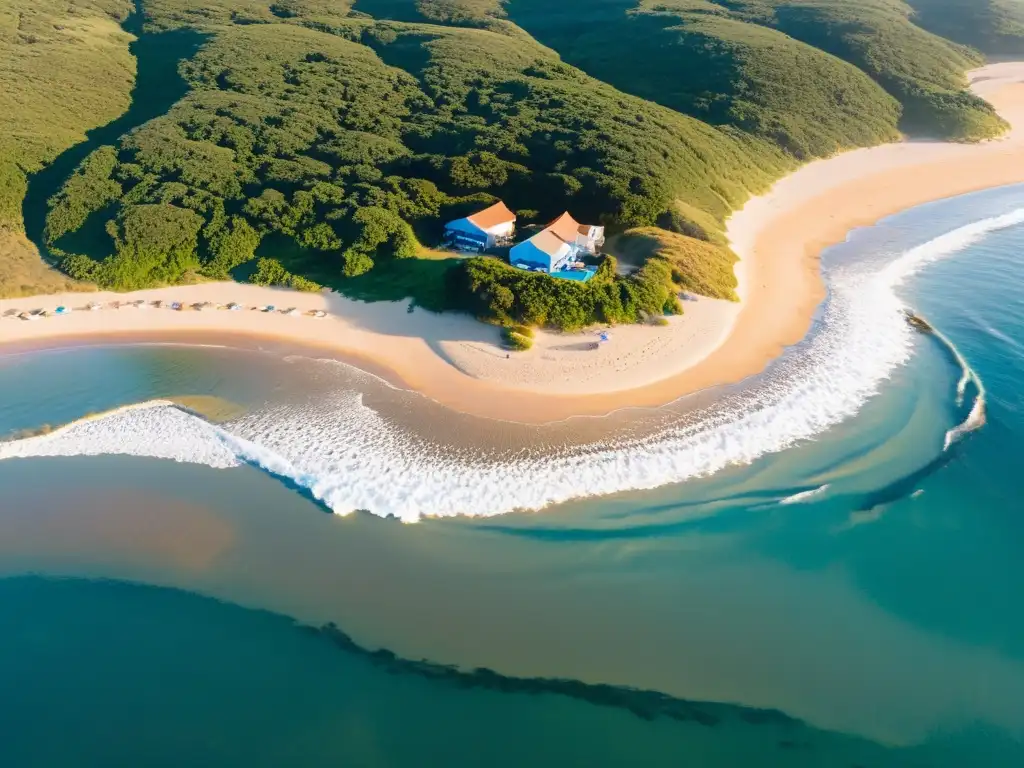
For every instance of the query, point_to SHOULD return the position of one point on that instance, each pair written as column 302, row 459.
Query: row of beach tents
column 177, row 306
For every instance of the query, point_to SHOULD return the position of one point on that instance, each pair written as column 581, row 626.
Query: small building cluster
column 557, row 250
column 559, row 247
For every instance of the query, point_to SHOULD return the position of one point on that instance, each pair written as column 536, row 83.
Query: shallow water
column 856, row 576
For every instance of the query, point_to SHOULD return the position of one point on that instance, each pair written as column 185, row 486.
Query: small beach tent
column 482, row 229
column 62, row 310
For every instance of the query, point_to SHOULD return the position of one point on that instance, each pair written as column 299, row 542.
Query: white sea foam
column 351, row 458
column 156, row 429
column 976, row 417
column 798, row 498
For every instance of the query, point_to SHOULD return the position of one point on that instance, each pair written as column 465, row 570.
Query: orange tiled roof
column 565, row 227
column 548, row 241
column 493, row 216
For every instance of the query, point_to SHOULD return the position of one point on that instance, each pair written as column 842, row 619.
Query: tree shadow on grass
column 158, row 85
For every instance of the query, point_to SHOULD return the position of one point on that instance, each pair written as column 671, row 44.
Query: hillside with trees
column 320, row 142
column 73, row 54
column 994, row 27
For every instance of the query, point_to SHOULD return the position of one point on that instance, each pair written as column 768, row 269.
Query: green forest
column 321, row 142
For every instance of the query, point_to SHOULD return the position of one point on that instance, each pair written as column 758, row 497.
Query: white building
column 481, row 230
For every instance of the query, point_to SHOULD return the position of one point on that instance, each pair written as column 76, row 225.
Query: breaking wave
column 350, row 457
column 158, row 429
column 968, row 376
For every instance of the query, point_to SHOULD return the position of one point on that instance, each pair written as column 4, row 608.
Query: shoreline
column 458, row 362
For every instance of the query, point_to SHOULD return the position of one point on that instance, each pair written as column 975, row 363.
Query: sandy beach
column 459, row 362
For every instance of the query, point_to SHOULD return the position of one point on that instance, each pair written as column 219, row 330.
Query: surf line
column 976, row 417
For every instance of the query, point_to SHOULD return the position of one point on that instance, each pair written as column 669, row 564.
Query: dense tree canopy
column 348, row 141
column 994, row 27
column 329, row 140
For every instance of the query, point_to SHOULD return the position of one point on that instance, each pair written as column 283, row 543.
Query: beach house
column 481, row 230
column 561, row 243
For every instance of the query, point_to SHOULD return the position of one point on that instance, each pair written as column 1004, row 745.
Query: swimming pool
column 574, row 274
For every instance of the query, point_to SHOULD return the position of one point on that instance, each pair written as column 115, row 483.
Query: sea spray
column 350, row 457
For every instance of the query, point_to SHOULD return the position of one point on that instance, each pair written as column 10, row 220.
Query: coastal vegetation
column 272, row 272
column 519, row 338
column 516, row 297
column 696, row 266
column 994, row 27
column 347, row 150
column 65, row 68
column 318, row 143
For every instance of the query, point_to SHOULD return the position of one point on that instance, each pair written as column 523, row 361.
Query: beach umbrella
column 604, row 336
column 62, row 310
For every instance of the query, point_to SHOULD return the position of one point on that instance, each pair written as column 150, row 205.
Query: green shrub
column 516, row 341
column 272, row 272
column 302, row 284
column 495, row 291
column 269, row 272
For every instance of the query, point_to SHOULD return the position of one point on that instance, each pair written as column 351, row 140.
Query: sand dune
column 459, row 361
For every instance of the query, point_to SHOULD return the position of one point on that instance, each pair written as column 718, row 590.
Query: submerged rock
column 917, row 322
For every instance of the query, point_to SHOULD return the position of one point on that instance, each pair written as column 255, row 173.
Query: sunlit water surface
column 840, row 567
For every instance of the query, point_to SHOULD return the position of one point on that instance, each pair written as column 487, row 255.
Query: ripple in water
column 350, row 457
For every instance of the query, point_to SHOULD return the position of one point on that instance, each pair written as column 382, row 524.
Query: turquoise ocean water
column 821, row 567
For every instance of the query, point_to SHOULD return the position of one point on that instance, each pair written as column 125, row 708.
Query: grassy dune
column 24, row 273
column 64, row 69
column 696, row 266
